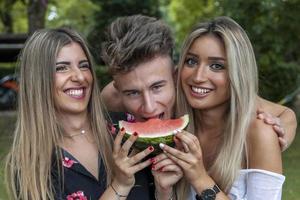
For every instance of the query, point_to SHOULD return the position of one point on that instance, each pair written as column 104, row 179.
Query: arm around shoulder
column 289, row 121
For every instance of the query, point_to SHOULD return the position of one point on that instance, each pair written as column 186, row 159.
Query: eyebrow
column 83, row 61
column 67, row 63
column 129, row 91
column 217, row 58
column 137, row 90
column 210, row 58
column 158, row 83
column 62, row 62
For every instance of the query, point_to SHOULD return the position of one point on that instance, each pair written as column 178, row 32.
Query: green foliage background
column 272, row 26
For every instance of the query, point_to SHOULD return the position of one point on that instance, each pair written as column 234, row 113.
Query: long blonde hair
column 38, row 133
column 242, row 72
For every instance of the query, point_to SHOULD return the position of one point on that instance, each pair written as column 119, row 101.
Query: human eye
column 84, row 66
column 217, row 66
column 157, row 88
column 61, row 68
column 132, row 94
column 190, row 61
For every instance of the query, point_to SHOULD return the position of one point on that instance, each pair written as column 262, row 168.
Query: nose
column 149, row 103
column 200, row 74
column 77, row 75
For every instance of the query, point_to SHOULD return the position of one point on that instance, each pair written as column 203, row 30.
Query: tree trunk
column 36, row 11
column 6, row 16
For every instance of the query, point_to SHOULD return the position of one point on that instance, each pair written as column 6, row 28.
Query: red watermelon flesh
column 154, row 131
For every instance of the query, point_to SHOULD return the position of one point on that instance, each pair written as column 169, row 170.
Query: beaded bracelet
column 117, row 194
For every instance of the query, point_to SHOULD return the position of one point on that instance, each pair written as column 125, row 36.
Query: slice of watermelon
column 154, row 131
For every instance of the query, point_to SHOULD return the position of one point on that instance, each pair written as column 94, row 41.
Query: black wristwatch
column 208, row 194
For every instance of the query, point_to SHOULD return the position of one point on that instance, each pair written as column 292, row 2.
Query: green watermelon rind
column 167, row 138
column 143, row 143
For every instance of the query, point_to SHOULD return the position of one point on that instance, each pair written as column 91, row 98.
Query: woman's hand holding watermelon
column 126, row 165
column 166, row 173
column 189, row 158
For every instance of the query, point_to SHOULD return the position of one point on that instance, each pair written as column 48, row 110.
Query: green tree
column 72, row 13
column 272, row 26
column 14, row 10
column 36, row 13
column 184, row 14
column 6, row 15
column 19, row 16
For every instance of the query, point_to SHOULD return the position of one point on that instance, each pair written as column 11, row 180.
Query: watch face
column 208, row 194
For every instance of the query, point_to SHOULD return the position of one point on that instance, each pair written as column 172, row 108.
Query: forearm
column 115, row 191
column 289, row 122
column 206, row 182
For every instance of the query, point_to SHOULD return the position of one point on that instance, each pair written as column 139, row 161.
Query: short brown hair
column 135, row 39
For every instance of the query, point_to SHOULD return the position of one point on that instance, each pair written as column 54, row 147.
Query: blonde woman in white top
column 227, row 152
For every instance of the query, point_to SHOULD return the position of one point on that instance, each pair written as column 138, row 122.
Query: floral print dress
column 79, row 183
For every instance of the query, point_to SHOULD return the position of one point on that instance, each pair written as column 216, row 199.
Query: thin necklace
column 82, row 132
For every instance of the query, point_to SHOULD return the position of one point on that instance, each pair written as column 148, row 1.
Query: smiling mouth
column 75, row 93
column 199, row 90
column 160, row 116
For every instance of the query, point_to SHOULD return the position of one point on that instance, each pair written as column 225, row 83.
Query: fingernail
column 122, row 129
column 151, row 148
column 135, row 134
column 161, row 145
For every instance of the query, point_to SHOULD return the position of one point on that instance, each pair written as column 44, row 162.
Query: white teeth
column 200, row 90
column 75, row 92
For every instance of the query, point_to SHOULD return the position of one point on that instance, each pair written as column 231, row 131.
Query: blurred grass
column 291, row 170
column 291, row 160
column 7, row 123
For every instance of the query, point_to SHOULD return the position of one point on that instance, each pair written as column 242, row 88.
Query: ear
column 115, row 85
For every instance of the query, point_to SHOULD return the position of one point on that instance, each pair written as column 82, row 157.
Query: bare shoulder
column 263, row 147
column 111, row 98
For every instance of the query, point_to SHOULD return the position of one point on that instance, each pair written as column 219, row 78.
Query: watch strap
column 215, row 188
